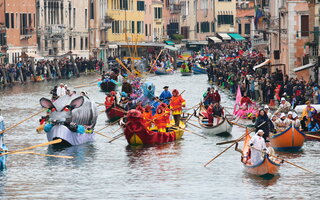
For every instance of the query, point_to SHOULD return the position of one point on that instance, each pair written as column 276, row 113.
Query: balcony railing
column 259, row 41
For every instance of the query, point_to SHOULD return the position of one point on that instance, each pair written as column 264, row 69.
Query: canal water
column 101, row 170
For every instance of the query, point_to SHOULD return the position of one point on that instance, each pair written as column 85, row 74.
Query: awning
column 198, row 43
column 224, row 36
column 236, row 36
column 261, row 64
column 168, row 42
column 307, row 66
column 112, row 46
column 215, row 39
column 171, row 48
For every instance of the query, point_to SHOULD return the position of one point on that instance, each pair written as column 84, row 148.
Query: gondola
column 137, row 133
column 290, row 139
column 115, row 112
column 223, row 127
column 268, row 166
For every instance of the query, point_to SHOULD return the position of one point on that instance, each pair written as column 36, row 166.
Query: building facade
column 18, row 26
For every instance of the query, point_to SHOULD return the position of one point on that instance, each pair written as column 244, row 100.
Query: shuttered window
column 304, row 25
column 140, row 5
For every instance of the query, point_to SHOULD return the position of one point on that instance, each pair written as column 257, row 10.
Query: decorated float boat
column 137, row 133
column 198, row 69
column 72, row 119
column 115, row 112
column 162, row 71
column 243, row 111
column 268, row 166
column 222, row 127
column 289, row 140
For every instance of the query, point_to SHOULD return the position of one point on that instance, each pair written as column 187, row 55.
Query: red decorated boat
column 115, row 112
column 137, row 133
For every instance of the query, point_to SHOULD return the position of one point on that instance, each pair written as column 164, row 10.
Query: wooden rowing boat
column 223, row 126
column 137, row 133
column 290, row 139
column 162, row 71
column 268, row 166
column 115, row 112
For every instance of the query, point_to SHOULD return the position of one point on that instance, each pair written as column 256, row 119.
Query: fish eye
column 53, row 109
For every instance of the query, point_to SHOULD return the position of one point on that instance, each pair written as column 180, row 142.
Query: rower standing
column 2, row 128
column 176, row 104
column 257, row 144
column 166, row 95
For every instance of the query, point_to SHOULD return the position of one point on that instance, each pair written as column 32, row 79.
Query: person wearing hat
column 257, row 144
column 295, row 120
column 282, row 123
column 284, row 106
column 110, row 100
column 176, row 104
column 61, row 90
column 166, row 95
column 290, row 115
column 160, row 119
column 266, row 110
column 147, row 116
column 126, row 87
column 309, row 111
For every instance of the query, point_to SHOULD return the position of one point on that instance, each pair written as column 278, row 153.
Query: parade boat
column 244, row 111
column 162, row 70
column 137, row 133
column 198, row 69
column 267, row 167
column 115, row 112
column 72, row 119
column 290, row 139
column 221, row 128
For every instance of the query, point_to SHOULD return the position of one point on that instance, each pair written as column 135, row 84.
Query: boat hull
column 289, row 140
column 115, row 112
column 160, row 71
column 266, row 167
column 69, row 137
column 140, row 135
column 197, row 69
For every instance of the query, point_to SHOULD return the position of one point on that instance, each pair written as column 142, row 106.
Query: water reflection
column 264, row 181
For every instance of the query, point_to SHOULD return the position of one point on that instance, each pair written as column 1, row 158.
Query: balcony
column 105, row 25
column 26, row 33
column 175, row 8
column 259, row 41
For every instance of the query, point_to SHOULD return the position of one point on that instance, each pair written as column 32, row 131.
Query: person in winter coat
column 264, row 123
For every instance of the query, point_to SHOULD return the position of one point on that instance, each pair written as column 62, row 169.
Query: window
column 3, row 39
column 74, row 43
column 123, row 4
column 7, row 20
column 240, row 28
column 91, row 9
column 38, row 42
column 140, row 5
column 225, row 19
column 74, row 17
column 132, row 27
column 247, row 29
column 146, row 28
column 213, row 28
column 205, row 27
column 140, row 27
column 304, row 25
column 85, row 18
column 157, row 13
column 12, row 20
column 81, row 43
column 70, row 43
column 86, row 43
column 30, row 20
column 197, row 27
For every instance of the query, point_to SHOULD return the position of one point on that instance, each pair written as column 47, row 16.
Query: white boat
column 222, row 127
column 299, row 108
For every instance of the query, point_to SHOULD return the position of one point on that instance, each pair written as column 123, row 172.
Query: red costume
column 245, row 100
column 216, row 97
column 109, row 101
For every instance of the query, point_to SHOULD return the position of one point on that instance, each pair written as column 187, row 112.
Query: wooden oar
column 11, row 127
column 313, row 136
column 33, row 147
column 116, row 137
column 103, row 135
column 283, row 160
column 116, row 130
column 113, row 123
column 240, row 138
column 190, row 131
column 41, row 154
column 193, row 125
column 227, row 142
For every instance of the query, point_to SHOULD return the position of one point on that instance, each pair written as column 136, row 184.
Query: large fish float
column 137, row 133
column 72, row 119
column 290, row 139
